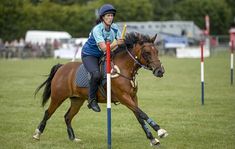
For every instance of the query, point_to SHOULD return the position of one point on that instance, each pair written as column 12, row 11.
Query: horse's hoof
column 155, row 142
column 162, row 133
column 37, row 134
column 36, row 137
column 77, row 140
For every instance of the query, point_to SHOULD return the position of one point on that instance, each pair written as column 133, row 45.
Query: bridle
column 136, row 60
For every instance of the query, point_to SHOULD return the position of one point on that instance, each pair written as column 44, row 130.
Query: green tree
column 78, row 16
column 10, row 19
column 132, row 10
column 80, row 20
column 161, row 6
column 70, row 2
column 231, row 3
column 35, row 2
column 45, row 16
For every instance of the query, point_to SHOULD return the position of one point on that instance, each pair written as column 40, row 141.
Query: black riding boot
column 93, row 87
column 92, row 104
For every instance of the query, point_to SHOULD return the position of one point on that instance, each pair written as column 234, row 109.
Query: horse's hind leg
column 76, row 104
column 48, row 113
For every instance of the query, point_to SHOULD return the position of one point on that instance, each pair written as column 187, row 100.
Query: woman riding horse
column 60, row 85
column 94, row 47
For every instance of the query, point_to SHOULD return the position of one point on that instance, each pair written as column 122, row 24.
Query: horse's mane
column 131, row 39
column 134, row 38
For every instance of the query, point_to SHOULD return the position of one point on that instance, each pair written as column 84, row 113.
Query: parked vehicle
column 72, row 50
column 41, row 37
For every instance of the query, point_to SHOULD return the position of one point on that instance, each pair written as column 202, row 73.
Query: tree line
column 78, row 16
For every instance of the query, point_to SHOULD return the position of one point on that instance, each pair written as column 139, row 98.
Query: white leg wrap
column 154, row 142
column 77, row 140
column 162, row 133
column 37, row 134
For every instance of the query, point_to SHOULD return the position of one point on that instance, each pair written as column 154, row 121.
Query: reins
column 136, row 62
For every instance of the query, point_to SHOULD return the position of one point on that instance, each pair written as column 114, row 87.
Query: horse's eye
column 147, row 55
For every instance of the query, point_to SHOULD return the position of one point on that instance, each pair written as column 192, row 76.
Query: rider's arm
column 119, row 40
column 116, row 43
column 102, row 45
column 97, row 33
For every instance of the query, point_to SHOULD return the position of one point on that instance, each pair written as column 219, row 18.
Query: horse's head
column 149, row 57
column 147, row 54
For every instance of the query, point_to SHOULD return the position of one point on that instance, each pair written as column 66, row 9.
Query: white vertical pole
column 108, row 70
column 231, row 61
column 202, row 74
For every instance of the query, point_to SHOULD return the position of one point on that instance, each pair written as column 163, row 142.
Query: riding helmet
column 107, row 8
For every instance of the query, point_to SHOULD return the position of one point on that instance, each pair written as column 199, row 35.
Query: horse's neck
column 126, row 64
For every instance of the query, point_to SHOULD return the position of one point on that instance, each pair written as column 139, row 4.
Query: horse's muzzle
column 158, row 72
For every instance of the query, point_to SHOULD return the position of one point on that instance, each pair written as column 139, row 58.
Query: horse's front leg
column 153, row 141
column 161, row 132
column 131, row 102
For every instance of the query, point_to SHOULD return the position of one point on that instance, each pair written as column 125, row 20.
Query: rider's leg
column 93, row 83
column 92, row 66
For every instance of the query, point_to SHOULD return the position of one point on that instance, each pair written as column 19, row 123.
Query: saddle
column 82, row 75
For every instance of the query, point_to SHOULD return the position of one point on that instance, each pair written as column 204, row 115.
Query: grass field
column 173, row 101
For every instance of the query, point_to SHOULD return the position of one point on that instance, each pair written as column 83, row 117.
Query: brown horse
column 138, row 51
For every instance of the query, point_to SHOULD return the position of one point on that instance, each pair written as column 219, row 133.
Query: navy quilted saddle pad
column 82, row 76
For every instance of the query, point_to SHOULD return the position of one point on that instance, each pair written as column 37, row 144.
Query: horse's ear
column 154, row 38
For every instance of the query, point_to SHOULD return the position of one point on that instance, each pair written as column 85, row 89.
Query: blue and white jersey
column 97, row 35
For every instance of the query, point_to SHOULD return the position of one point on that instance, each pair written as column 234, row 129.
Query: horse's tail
column 47, row 90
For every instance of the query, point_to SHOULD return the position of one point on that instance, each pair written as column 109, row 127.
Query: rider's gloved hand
column 121, row 43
